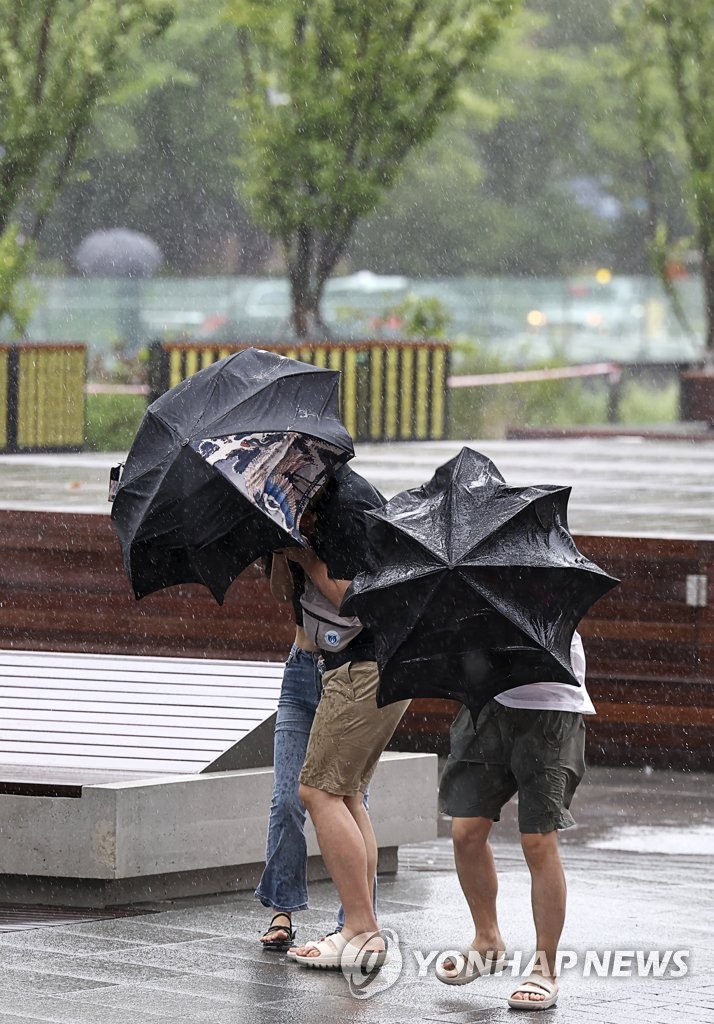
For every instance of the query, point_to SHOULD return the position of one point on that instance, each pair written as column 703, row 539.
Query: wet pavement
column 642, row 896
column 631, row 486
column 639, row 864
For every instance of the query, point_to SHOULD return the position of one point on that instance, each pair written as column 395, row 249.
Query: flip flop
column 535, row 983
column 356, row 957
column 468, row 966
column 279, row 945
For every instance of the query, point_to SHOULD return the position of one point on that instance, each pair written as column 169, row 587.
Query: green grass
column 112, row 421
column 647, row 403
column 488, row 411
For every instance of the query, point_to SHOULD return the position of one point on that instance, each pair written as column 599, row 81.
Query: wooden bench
column 129, row 778
column 650, row 653
column 133, row 716
column 63, row 588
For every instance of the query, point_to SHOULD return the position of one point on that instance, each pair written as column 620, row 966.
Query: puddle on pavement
column 697, row 840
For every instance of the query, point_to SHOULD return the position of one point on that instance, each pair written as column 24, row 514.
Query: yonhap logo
column 332, row 637
column 368, row 971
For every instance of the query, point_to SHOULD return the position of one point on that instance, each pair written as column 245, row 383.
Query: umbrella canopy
column 475, row 586
column 118, row 252
column 223, row 466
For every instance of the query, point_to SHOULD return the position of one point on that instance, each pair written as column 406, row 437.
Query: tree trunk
column 306, row 318
column 708, row 277
column 307, row 273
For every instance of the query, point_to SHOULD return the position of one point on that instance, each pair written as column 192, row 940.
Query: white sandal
column 335, row 952
column 542, row 986
column 329, row 953
column 292, row 952
column 468, row 966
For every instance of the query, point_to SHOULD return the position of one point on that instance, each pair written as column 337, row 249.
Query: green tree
column 503, row 187
column 339, row 93
column 161, row 159
column 56, row 62
column 658, row 170
column 685, row 30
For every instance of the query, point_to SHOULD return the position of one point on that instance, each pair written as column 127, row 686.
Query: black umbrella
column 475, row 586
column 223, row 466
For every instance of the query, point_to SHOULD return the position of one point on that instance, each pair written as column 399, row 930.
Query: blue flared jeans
column 283, row 884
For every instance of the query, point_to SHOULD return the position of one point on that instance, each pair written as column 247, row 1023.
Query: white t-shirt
column 554, row 696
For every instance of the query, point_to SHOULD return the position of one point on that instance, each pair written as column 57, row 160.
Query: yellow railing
column 389, row 390
column 42, row 397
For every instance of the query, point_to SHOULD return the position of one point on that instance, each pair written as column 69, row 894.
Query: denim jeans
column 283, row 884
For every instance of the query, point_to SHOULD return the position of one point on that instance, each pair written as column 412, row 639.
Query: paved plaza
column 639, row 873
column 638, row 863
column 631, row 486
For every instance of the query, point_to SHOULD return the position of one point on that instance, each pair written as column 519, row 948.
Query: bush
column 112, row 421
column 486, row 412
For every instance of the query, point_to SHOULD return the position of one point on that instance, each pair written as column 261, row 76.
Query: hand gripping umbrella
column 222, row 467
column 474, row 586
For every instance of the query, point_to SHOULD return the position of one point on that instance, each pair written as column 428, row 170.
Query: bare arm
column 281, row 579
column 333, row 590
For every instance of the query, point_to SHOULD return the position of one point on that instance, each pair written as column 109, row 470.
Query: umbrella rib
column 514, row 513
column 411, row 628
column 373, row 583
column 501, row 611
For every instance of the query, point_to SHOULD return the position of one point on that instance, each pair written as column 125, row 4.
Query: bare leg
column 349, row 850
column 548, row 896
column 479, row 882
column 355, row 805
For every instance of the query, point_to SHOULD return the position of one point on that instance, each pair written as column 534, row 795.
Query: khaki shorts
column 349, row 732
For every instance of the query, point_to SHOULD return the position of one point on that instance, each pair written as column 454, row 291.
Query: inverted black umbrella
column 222, row 467
column 475, row 586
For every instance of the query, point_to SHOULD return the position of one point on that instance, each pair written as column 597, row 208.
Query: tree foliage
column 56, row 61
column 493, row 193
column 553, row 107
column 669, row 67
column 161, row 159
column 687, row 29
column 338, row 94
column 658, row 141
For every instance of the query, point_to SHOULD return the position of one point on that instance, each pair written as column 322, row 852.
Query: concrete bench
column 124, row 779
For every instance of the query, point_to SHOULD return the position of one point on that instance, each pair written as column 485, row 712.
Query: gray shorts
column 538, row 754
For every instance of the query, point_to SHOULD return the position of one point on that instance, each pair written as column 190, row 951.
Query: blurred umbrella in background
column 118, row 252
column 128, row 256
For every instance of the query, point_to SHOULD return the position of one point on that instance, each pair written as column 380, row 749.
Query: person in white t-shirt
column 529, row 740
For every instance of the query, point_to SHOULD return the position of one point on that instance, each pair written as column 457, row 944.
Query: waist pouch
column 323, row 623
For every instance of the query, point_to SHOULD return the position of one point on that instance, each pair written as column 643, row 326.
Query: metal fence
column 389, row 391
column 42, row 397
column 519, row 321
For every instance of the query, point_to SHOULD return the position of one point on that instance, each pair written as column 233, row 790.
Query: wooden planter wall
column 650, row 653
